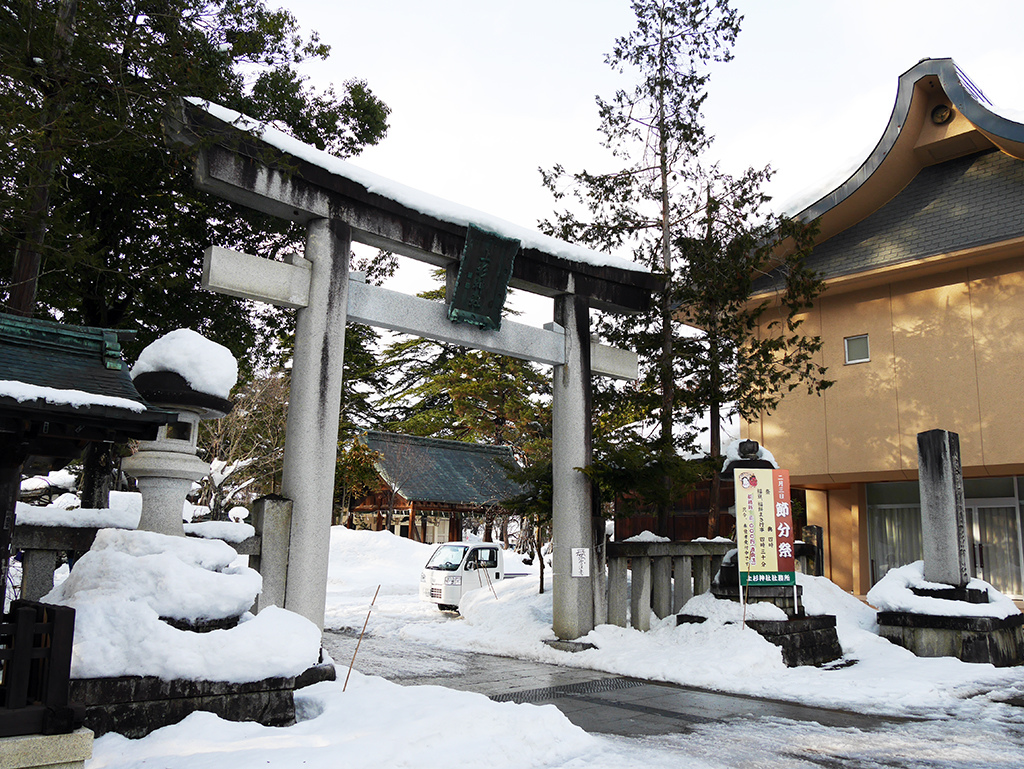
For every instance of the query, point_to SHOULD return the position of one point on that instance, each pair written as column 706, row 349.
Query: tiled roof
column 449, row 472
column 54, row 355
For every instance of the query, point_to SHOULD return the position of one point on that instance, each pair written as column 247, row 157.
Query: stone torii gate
column 254, row 165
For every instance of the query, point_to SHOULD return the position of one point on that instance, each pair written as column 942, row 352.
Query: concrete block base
column 49, row 751
column 999, row 642
column 134, row 706
column 803, row 640
column 786, row 598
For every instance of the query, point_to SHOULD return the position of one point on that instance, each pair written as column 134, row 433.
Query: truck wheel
column 448, row 607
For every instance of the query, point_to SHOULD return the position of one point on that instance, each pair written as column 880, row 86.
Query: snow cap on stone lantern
column 206, row 367
column 182, row 371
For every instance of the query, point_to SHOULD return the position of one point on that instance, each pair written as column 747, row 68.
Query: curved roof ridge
column 964, row 96
column 441, row 443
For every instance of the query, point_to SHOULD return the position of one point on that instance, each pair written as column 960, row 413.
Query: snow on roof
column 207, row 366
column 424, row 203
column 23, row 392
column 647, row 536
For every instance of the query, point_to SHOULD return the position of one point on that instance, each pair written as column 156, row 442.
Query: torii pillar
column 571, row 497
column 314, row 405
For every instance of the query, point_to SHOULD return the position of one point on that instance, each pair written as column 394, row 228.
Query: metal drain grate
column 568, row 690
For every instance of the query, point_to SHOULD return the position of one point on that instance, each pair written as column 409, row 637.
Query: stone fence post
column 272, row 518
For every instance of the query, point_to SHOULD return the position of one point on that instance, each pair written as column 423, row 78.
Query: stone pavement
column 595, row 701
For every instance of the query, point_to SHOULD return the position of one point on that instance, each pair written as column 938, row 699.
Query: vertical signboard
column 764, row 527
column 580, row 562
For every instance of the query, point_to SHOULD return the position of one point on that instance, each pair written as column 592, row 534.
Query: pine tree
column 656, row 128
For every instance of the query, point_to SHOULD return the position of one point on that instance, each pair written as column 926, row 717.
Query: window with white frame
column 857, row 349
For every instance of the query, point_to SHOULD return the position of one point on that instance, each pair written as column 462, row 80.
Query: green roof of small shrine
column 70, row 375
column 444, row 471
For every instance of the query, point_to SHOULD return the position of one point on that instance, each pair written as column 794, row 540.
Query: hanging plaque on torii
column 482, row 282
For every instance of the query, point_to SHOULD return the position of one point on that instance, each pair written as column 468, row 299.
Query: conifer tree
column 90, row 187
column 658, row 206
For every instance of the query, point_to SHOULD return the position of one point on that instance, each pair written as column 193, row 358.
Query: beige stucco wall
column 947, row 351
column 997, row 302
column 841, row 514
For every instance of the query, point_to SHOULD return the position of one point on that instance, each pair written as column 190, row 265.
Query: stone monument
column 942, row 618
column 943, row 515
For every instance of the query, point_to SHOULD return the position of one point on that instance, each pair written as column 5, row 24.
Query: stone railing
column 267, row 550
column 665, row 576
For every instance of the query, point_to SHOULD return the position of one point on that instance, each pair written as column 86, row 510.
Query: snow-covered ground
column 968, row 713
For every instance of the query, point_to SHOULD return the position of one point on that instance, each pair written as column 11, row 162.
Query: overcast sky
column 483, row 92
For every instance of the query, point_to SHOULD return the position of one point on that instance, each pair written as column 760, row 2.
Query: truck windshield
column 447, row 557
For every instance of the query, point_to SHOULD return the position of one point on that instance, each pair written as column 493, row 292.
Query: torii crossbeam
column 264, row 169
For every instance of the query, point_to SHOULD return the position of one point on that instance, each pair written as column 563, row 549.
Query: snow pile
column 647, row 536
column 357, row 729
column 123, row 513
column 723, row 612
column 207, row 366
column 229, row 531
column 179, row 578
column 67, row 501
column 361, row 560
column 238, row 513
column 893, row 593
column 58, row 479
column 122, row 587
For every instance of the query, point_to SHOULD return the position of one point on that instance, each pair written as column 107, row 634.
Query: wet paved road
column 595, row 701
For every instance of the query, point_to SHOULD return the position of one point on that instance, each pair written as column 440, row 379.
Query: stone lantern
column 166, row 468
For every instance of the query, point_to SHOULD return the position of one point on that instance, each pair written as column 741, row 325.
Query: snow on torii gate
column 257, row 166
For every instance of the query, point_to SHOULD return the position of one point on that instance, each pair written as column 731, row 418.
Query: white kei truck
column 455, row 568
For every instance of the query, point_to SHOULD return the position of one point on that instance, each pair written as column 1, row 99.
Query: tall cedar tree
column 88, row 183
column 656, row 205
column 656, row 129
